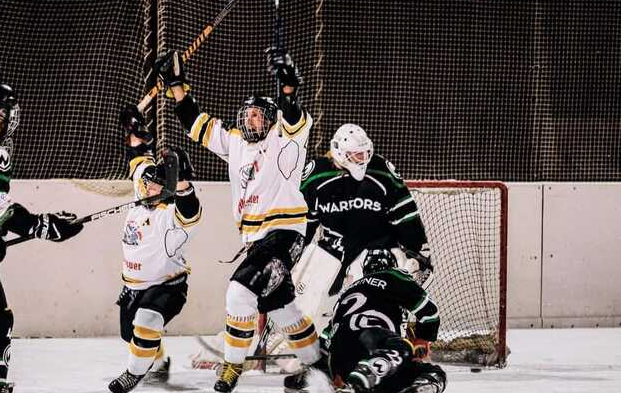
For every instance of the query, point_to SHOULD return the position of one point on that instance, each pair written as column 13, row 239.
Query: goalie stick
column 189, row 52
column 172, row 170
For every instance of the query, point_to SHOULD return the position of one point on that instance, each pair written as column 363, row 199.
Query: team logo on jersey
column 132, row 234
column 308, row 169
column 392, row 169
column 380, row 366
column 288, row 159
column 352, row 204
column 248, row 173
column 5, row 160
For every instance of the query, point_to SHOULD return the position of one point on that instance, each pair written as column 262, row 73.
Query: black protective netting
column 507, row 90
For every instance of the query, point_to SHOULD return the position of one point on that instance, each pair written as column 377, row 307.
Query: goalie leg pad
column 145, row 343
column 6, row 326
column 240, row 323
column 299, row 332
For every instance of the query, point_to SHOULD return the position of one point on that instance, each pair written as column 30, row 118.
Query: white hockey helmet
column 352, row 149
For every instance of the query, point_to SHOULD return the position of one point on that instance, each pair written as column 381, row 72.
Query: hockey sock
column 146, row 340
column 240, row 323
column 299, row 332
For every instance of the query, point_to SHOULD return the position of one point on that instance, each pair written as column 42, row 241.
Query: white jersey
column 264, row 176
column 154, row 239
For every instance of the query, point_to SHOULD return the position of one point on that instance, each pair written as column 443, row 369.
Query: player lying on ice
column 363, row 341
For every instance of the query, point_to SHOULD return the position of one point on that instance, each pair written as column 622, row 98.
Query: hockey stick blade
column 172, row 170
column 220, row 354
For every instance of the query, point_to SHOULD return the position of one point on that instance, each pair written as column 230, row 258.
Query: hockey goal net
column 466, row 226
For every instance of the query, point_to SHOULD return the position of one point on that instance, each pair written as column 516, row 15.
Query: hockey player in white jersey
column 265, row 157
column 17, row 219
column 154, row 269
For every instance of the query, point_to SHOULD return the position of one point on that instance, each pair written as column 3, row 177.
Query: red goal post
column 466, row 225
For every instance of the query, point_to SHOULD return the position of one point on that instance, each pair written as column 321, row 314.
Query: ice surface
column 546, row 361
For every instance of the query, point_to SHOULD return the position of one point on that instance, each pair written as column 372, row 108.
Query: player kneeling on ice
column 265, row 156
column 15, row 218
column 364, row 342
column 154, row 268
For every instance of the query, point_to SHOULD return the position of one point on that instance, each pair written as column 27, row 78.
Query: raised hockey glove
column 56, row 226
column 170, row 69
column 132, row 122
column 280, row 65
column 186, row 169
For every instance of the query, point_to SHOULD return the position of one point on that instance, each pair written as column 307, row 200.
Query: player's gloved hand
column 421, row 347
column 280, row 65
column 56, row 226
column 170, row 68
column 186, row 169
column 420, row 266
column 133, row 123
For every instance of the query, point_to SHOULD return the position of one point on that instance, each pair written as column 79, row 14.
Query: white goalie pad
column 313, row 275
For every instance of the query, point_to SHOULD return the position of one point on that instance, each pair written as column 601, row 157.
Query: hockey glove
column 280, row 65
column 170, row 68
column 186, row 169
column 133, row 123
column 420, row 266
column 421, row 348
column 56, row 226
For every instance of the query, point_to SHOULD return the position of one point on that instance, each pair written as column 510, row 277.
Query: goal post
column 466, row 226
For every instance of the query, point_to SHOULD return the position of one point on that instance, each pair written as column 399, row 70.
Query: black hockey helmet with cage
column 269, row 111
column 377, row 260
column 9, row 111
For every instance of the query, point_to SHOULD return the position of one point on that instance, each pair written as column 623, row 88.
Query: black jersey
column 377, row 212
column 380, row 300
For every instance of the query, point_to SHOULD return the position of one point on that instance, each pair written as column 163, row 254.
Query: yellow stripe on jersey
column 206, row 136
column 133, row 164
column 235, row 131
column 196, row 128
column 273, row 212
column 130, row 280
column 272, row 223
column 293, row 130
column 187, row 222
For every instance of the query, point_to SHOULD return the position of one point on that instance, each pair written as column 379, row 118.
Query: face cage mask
column 251, row 134
column 355, row 162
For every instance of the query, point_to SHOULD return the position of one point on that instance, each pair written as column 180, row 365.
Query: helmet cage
column 378, row 260
column 245, row 121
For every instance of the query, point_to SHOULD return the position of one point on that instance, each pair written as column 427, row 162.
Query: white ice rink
column 546, row 361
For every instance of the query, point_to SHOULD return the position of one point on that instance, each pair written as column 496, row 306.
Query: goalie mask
column 377, row 260
column 256, row 117
column 9, row 112
column 351, row 149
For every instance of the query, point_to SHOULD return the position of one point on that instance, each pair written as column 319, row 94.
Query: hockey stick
column 218, row 353
column 172, row 169
column 189, row 52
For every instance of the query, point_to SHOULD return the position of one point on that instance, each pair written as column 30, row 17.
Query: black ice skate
column 6, row 387
column 160, row 375
column 228, row 378
column 125, row 383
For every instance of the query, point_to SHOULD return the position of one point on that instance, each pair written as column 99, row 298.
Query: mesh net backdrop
column 515, row 91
